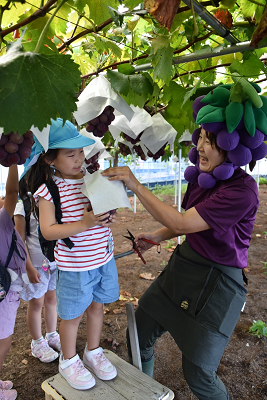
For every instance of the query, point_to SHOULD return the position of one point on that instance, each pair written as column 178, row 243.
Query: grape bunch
column 124, row 149
column 139, row 151
column 158, row 154
column 92, row 163
column 99, row 125
column 110, row 213
column 130, row 139
column 15, row 148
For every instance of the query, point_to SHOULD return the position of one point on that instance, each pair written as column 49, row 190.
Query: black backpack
column 47, row 246
column 5, row 279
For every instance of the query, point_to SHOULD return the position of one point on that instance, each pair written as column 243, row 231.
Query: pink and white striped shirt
column 90, row 249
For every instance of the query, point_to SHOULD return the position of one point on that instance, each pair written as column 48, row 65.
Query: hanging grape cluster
column 125, row 150
column 15, row 148
column 99, row 125
column 92, row 163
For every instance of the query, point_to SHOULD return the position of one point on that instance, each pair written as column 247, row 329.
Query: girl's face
column 209, row 156
column 68, row 163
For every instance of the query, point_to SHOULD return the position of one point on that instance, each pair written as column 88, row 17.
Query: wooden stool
column 130, row 383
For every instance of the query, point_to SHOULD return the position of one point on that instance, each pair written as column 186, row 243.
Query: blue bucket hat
column 66, row 136
column 60, row 137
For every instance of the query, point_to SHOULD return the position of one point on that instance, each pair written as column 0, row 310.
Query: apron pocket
column 222, row 308
column 188, row 284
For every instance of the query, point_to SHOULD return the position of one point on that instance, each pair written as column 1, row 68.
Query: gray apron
column 198, row 302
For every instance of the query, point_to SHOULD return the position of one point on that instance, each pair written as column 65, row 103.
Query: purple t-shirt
column 6, row 229
column 230, row 209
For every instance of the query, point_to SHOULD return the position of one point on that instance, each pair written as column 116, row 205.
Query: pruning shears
column 135, row 248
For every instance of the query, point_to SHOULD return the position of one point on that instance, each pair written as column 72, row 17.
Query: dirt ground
column 244, row 364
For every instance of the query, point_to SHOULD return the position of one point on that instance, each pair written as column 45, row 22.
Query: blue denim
column 76, row 290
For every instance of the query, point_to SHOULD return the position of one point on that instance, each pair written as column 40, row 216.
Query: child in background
column 17, row 265
column 41, row 292
column 86, row 274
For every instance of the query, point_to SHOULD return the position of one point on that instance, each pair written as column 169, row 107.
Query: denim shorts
column 8, row 313
column 76, row 290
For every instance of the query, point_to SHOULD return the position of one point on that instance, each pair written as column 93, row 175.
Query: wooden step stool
column 129, row 384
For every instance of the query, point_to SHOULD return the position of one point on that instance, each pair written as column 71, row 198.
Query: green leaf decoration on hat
column 233, row 113
column 260, row 119
column 249, row 92
column 210, row 113
column 218, row 97
column 249, row 118
column 264, row 107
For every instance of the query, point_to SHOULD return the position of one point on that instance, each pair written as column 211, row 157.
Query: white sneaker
column 54, row 341
column 75, row 373
column 99, row 364
column 43, row 351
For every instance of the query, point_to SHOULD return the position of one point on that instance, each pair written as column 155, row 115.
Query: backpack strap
column 13, row 247
column 27, row 209
column 53, row 189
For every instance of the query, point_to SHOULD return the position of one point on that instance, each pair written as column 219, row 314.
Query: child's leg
column 70, row 365
column 39, row 346
column 93, row 356
column 34, row 317
column 94, row 324
column 5, row 345
column 50, row 312
column 68, row 335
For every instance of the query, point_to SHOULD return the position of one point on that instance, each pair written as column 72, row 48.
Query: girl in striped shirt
column 86, row 274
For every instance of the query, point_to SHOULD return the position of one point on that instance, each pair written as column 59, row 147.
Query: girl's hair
column 41, row 172
column 212, row 138
column 23, row 187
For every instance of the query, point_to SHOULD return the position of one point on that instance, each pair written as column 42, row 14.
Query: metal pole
column 134, row 175
column 180, row 187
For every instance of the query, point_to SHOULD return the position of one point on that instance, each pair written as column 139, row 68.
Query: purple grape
column 260, row 152
column 214, row 127
column 227, row 141
column 28, row 142
column 111, row 117
column 16, row 138
column 240, row 156
column 11, row 147
column 4, row 163
column 94, row 121
column 195, row 135
column 103, row 118
column 24, row 151
column 3, row 140
column 3, row 153
column 13, row 158
column 101, row 127
column 90, row 127
column 197, row 105
column 249, row 141
column 28, row 134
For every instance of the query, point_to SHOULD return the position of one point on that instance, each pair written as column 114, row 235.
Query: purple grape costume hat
column 237, row 115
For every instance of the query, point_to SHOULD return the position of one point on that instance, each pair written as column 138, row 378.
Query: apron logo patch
column 185, row 303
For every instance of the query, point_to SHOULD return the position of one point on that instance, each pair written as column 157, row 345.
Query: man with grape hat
column 198, row 297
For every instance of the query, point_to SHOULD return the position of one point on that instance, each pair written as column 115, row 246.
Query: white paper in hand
column 104, row 195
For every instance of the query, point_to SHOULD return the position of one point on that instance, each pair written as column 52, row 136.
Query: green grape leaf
column 126, row 69
column 227, row 4
column 163, row 65
column 31, row 38
column 119, row 82
column 123, row 84
column 99, row 11
column 35, row 88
